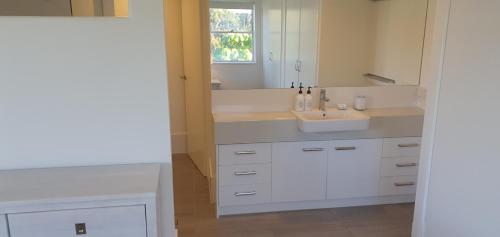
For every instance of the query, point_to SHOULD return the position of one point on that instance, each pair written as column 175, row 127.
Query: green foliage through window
column 232, row 38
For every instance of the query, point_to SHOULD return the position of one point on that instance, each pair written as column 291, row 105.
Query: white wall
column 272, row 100
column 463, row 194
column 84, row 91
column 346, row 38
column 175, row 62
column 238, row 76
column 379, row 37
column 87, row 91
column 398, row 40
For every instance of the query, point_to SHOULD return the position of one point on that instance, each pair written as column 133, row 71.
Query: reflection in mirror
column 259, row 44
column 108, row 8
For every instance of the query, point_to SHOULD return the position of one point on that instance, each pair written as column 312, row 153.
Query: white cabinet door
column 309, row 24
column 301, row 42
column 353, row 168
column 292, row 42
column 299, row 171
column 272, row 41
column 3, row 226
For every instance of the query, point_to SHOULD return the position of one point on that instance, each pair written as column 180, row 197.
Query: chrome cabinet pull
column 312, row 149
column 406, row 165
column 350, row 148
column 245, row 173
column 408, row 145
column 239, row 153
column 242, row 194
column 404, row 184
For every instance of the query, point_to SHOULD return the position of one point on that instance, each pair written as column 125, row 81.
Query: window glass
column 232, row 35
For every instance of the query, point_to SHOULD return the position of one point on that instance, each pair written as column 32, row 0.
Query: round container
column 360, row 103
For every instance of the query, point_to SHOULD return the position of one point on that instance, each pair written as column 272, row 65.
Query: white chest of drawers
column 244, row 174
column 99, row 201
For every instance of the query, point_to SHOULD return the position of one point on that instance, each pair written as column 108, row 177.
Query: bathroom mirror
column 77, row 8
column 259, row 44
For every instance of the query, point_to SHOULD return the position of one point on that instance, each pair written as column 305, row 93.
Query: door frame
column 432, row 68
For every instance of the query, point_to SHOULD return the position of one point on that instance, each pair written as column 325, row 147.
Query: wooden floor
column 196, row 217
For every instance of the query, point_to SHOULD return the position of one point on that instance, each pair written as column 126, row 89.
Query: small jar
column 360, row 103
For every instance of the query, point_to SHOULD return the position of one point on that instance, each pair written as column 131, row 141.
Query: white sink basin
column 333, row 120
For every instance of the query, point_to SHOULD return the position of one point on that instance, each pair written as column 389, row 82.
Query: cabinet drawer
column 244, row 174
column 243, row 154
column 403, row 166
column 400, row 185
column 3, row 226
column 239, row 195
column 402, row 147
column 100, row 222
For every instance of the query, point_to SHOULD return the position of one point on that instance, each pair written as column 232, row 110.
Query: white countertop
column 33, row 186
column 276, row 116
column 252, row 117
column 263, row 127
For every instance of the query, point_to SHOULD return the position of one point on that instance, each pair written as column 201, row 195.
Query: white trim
column 438, row 44
column 318, row 49
column 232, row 5
column 309, row 205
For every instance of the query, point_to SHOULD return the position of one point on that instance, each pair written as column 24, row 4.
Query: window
column 232, row 33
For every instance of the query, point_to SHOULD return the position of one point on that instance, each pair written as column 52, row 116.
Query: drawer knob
column 406, row 165
column 350, row 148
column 242, row 194
column 244, row 173
column 408, row 145
column 405, row 184
column 239, row 153
column 81, row 229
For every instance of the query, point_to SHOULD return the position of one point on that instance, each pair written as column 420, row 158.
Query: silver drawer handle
column 350, row 148
column 406, row 165
column 253, row 193
column 404, row 184
column 312, row 149
column 245, row 173
column 239, row 153
column 408, row 145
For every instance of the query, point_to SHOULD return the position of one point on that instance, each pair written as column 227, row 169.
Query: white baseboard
column 179, row 143
column 309, row 205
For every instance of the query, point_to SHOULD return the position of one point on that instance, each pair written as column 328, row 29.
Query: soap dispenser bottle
column 309, row 100
column 300, row 100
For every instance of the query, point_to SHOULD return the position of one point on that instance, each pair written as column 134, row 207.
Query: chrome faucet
column 323, row 100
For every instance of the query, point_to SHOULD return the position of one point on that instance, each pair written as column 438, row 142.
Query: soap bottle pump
column 293, row 85
column 300, row 100
column 309, row 100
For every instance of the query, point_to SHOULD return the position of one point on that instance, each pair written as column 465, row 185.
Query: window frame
column 237, row 5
